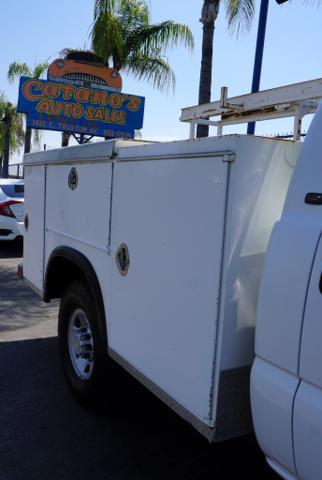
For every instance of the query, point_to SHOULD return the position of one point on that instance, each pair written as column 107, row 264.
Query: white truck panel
column 34, row 236
column 283, row 292
column 289, row 260
column 308, row 401
column 272, row 395
column 311, row 345
column 164, row 312
column 257, row 189
column 82, row 214
column 308, row 431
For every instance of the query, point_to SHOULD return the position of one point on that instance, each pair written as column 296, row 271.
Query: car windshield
column 13, row 191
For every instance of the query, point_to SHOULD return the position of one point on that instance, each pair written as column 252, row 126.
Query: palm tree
column 124, row 37
column 17, row 70
column 239, row 13
column 11, row 132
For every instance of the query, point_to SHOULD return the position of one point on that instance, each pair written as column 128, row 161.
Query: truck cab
column 286, row 379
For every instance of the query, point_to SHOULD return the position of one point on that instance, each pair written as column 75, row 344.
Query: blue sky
column 35, row 31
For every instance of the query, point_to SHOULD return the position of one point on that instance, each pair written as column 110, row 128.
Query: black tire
column 88, row 391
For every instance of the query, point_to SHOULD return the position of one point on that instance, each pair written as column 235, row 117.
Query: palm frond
column 104, row 6
column 2, row 103
column 40, row 69
column 133, row 14
column 164, row 35
column 17, row 70
column 154, row 69
column 239, row 14
column 107, row 38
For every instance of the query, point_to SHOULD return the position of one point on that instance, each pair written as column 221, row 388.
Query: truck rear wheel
column 82, row 351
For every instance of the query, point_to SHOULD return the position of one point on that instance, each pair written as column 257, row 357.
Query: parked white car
column 11, row 208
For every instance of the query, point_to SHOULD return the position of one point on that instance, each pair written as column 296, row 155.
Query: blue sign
column 70, row 108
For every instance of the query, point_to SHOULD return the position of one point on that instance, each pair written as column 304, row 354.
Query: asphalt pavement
column 45, row 434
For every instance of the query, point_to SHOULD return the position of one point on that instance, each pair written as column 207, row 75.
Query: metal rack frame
column 295, row 100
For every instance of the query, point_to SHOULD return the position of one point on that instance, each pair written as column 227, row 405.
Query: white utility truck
column 157, row 251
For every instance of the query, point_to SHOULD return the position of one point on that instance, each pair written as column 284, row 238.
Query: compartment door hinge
column 229, row 157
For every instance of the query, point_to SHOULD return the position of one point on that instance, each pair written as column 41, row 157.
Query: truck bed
column 196, row 217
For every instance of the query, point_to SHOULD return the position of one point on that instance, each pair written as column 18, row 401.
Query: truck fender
column 66, row 265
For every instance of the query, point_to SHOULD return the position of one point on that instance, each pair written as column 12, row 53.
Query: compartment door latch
column 122, row 259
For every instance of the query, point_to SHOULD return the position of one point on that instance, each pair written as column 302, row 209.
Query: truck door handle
column 26, row 221
column 320, row 283
column 313, row 198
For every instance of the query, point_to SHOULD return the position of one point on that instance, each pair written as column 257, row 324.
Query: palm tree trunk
column 6, row 150
column 27, row 140
column 209, row 14
column 65, row 139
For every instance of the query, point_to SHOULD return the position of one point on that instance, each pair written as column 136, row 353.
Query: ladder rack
column 295, row 100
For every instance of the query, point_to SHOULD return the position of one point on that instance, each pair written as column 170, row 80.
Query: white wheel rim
column 80, row 344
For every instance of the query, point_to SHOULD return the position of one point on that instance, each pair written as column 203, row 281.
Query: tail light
column 20, row 271
column 5, row 209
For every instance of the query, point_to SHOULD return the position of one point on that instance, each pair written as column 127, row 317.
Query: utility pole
column 262, row 21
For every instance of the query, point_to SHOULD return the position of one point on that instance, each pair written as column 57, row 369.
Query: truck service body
column 168, row 255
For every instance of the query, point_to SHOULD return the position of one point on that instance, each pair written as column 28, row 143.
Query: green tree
column 11, row 132
column 124, row 37
column 17, row 70
column 239, row 13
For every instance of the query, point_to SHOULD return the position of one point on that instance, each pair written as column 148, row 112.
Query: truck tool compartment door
column 78, row 214
column 35, row 180
column 308, row 401
column 169, row 214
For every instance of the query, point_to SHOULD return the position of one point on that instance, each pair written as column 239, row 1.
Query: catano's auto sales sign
column 67, row 107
